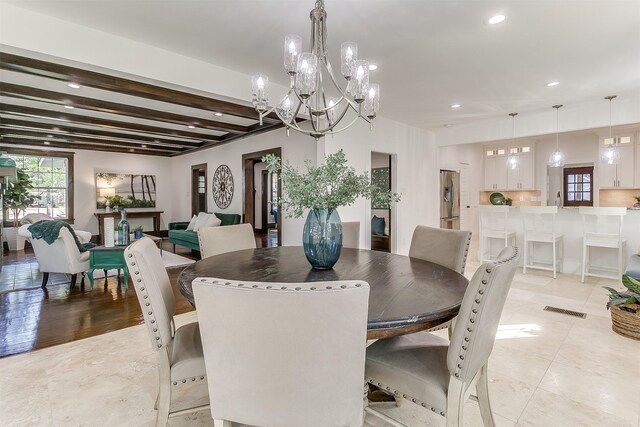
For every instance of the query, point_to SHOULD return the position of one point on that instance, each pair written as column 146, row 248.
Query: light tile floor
column 546, row 369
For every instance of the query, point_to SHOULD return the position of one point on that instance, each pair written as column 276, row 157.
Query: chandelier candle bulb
column 259, row 88
column 360, row 80
column 292, row 48
column 348, row 54
column 372, row 101
column 306, row 75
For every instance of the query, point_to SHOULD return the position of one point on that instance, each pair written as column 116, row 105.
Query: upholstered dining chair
column 222, row 239
column 62, row 256
column 440, row 375
column 179, row 350
column 285, row 355
column 351, row 234
column 448, row 248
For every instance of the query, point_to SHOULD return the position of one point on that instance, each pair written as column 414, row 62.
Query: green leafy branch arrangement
column 328, row 186
column 625, row 299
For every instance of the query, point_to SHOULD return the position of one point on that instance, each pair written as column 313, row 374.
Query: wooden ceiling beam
column 36, row 94
column 69, row 118
column 12, row 124
column 108, row 82
column 6, row 143
column 83, row 139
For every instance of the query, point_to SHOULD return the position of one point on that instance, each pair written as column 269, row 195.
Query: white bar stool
column 539, row 224
column 494, row 225
column 602, row 228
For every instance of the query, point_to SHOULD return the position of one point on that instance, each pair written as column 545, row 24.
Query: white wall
column 295, row 148
column 416, row 175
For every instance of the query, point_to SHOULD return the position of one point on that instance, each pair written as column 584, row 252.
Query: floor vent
column 567, row 312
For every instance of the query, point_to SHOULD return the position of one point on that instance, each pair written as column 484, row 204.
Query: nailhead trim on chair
column 270, row 287
column 139, row 284
column 471, row 321
column 184, row 380
column 466, row 253
column 404, row 396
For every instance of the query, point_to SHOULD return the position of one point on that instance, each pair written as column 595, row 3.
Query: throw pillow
column 377, row 226
column 201, row 220
column 192, row 223
column 212, row 221
column 32, row 218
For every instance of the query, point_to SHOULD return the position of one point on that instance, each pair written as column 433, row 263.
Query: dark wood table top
column 407, row 295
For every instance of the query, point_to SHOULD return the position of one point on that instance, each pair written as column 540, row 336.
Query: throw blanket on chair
column 50, row 230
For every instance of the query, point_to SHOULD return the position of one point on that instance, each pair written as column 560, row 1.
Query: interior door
column 198, row 188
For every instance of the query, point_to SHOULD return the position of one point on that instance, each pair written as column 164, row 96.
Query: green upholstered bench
column 178, row 234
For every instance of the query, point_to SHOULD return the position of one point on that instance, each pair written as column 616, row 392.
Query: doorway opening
column 382, row 216
column 198, row 188
column 261, row 190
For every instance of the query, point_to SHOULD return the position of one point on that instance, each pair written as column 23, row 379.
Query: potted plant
column 322, row 190
column 17, row 199
column 137, row 232
column 625, row 308
column 637, row 204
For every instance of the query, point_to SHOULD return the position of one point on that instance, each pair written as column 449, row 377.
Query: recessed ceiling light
column 455, row 106
column 131, row 150
column 552, row 84
column 496, row 19
column 55, row 128
column 143, row 146
column 217, row 114
column 191, row 127
column 70, row 107
column 448, row 125
column 74, row 85
column 47, row 143
column 373, row 67
column 49, row 136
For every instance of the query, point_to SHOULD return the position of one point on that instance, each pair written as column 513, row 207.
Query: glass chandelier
column 322, row 107
column 557, row 158
column 610, row 155
column 513, row 161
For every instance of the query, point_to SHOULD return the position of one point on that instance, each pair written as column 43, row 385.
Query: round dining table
column 406, row 294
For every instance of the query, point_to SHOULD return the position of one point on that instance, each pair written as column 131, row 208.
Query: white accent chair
column 602, row 228
column 284, row 354
column 62, row 256
column 494, row 224
column 351, row 234
column 539, row 224
column 440, row 375
column 219, row 240
column 180, row 355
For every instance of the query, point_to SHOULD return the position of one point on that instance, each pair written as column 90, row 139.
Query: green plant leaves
column 631, row 284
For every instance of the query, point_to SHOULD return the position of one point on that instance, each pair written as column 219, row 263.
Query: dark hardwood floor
column 32, row 318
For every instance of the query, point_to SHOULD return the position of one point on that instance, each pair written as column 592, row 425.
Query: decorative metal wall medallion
column 222, row 186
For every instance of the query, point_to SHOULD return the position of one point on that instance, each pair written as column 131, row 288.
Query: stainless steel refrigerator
column 449, row 200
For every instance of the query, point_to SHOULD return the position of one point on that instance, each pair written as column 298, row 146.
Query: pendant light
column 557, row 158
column 513, row 162
column 610, row 155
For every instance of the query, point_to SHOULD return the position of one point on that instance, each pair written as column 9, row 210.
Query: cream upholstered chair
column 223, row 239
column 602, row 228
column 436, row 374
column 539, row 224
column 180, row 351
column 448, row 248
column 62, row 256
column 351, row 234
column 285, row 355
column 494, row 225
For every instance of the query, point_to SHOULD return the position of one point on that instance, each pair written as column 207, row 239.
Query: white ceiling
column 431, row 54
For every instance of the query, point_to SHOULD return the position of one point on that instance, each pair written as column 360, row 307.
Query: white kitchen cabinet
column 620, row 175
column 522, row 177
column 495, row 173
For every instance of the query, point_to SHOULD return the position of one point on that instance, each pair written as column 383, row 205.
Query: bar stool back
column 602, row 228
column 494, row 225
column 539, row 224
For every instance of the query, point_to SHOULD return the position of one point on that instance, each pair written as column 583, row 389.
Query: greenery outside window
column 52, row 178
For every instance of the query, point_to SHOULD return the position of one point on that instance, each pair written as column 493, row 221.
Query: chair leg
column 164, row 389
column 554, row 259
column 45, row 279
column 482, row 388
column 74, row 278
column 584, row 260
column 455, row 403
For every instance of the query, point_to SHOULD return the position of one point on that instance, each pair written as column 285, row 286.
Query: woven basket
column 625, row 323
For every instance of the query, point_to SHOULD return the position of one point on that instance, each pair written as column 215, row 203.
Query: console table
column 131, row 213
